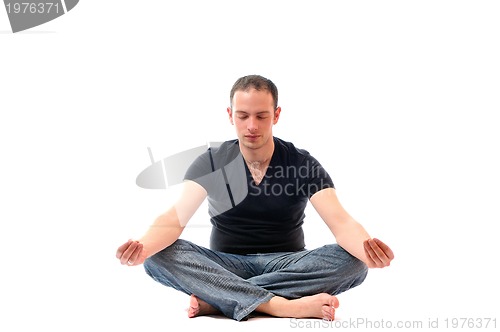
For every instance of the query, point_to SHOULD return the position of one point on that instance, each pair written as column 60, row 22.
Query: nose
column 252, row 124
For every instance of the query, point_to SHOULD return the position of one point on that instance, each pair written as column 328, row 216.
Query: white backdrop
column 397, row 99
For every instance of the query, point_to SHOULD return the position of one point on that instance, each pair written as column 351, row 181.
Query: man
column 257, row 188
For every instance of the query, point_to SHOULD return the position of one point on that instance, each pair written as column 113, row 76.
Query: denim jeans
column 237, row 284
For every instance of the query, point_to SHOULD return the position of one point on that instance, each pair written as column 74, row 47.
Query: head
column 256, row 82
column 254, row 110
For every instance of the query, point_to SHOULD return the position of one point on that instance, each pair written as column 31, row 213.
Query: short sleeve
column 199, row 169
column 315, row 178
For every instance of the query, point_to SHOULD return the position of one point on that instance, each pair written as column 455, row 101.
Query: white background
column 399, row 100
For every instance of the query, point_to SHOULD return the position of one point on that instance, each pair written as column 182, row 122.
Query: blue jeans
column 237, row 284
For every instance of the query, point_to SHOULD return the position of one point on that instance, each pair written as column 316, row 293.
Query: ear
column 230, row 113
column 277, row 113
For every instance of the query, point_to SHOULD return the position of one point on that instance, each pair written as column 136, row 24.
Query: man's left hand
column 378, row 254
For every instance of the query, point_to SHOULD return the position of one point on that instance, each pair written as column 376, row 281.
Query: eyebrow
column 261, row 112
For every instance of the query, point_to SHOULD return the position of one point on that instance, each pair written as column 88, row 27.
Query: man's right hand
column 131, row 253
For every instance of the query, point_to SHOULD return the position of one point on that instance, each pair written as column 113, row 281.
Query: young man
column 257, row 188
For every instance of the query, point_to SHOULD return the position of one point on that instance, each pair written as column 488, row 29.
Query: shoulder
column 215, row 156
column 225, row 147
column 223, row 153
column 289, row 154
column 289, row 149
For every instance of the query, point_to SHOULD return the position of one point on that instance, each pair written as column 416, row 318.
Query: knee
column 356, row 269
column 356, row 265
column 161, row 266
column 163, row 257
column 173, row 252
column 351, row 265
column 349, row 270
column 360, row 271
column 153, row 264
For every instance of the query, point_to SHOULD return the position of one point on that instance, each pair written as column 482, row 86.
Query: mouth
column 252, row 137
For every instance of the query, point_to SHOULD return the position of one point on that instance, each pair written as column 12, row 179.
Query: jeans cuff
column 243, row 314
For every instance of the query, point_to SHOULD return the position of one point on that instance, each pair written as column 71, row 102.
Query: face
column 253, row 116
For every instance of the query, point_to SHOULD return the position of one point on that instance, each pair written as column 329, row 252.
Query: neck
column 260, row 156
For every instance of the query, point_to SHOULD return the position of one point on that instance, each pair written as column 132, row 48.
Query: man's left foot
column 198, row 307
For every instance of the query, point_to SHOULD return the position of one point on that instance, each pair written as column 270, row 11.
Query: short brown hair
column 256, row 82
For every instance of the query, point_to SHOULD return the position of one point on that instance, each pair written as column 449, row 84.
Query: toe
column 328, row 312
column 334, row 302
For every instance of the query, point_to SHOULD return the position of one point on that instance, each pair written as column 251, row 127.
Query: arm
column 166, row 229
column 350, row 234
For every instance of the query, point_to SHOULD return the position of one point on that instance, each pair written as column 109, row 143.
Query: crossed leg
column 321, row 305
column 297, row 285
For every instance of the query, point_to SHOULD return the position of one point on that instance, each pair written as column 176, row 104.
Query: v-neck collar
column 266, row 174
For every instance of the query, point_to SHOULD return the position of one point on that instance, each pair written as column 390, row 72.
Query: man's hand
column 131, row 253
column 377, row 253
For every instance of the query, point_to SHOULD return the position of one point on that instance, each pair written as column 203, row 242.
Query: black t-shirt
column 248, row 218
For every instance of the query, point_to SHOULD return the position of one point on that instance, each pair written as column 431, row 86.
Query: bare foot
column 198, row 307
column 321, row 305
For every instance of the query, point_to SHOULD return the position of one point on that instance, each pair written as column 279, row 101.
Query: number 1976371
column 33, row 8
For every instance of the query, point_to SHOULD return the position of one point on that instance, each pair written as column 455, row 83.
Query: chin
column 255, row 145
column 251, row 145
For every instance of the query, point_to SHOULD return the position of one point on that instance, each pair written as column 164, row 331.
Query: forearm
column 165, row 230
column 351, row 235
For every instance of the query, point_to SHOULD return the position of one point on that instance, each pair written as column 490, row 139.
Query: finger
column 122, row 248
column 382, row 259
column 385, row 248
column 370, row 254
column 133, row 258
column 376, row 249
column 128, row 252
